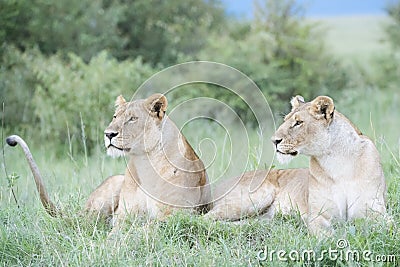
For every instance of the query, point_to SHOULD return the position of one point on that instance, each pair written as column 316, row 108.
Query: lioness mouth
column 122, row 149
column 290, row 153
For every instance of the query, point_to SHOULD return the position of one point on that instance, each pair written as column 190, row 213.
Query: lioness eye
column 133, row 118
column 298, row 123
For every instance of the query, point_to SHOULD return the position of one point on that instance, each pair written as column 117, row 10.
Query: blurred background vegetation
column 62, row 63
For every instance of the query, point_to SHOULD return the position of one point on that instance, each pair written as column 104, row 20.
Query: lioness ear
column 157, row 105
column 297, row 101
column 120, row 101
column 322, row 107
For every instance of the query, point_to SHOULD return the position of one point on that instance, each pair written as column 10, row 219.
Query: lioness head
column 136, row 126
column 305, row 129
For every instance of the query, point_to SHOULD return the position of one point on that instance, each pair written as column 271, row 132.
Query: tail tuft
column 11, row 141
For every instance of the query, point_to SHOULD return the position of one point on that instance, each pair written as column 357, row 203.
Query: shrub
column 75, row 96
column 161, row 32
column 387, row 68
column 66, row 100
column 16, row 90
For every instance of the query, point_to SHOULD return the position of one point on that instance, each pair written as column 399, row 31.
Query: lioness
column 346, row 180
column 164, row 173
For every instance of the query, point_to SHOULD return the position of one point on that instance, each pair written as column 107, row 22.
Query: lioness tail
column 51, row 209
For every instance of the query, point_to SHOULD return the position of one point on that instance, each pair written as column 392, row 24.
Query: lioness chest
column 145, row 205
column 347, row 196
column 343, row 200
column 154, row 188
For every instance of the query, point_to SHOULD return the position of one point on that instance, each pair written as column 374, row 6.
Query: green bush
column 65, row 88
column 387, row 68
column 62, row 100
column 75, row 26
column 14, row 14
column 16, row 90
column 393, row 29
column 161, row 32
column 74, row 98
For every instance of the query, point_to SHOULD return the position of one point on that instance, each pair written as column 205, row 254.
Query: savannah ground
column 28, row 236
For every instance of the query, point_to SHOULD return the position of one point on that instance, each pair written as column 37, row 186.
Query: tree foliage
column 387, row 65
column 69, row 99
column 86, row 52
column 16, row 90
column 162, row 32
column 282, row 53
column 158, row 31
column 393, row 29
column 14, row 14
column 75, row 100
column 81, row 27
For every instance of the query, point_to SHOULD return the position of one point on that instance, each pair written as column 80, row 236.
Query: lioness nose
column 111, row 135
column 276, row 140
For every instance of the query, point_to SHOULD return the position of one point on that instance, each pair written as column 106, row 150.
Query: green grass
column 28, row 236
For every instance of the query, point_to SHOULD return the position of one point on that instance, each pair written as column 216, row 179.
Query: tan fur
column 105, row 198
column 280, row 190
column 49, row 206
column 163, row 173
column 346, row 180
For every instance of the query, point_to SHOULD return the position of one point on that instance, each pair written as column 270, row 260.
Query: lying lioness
column 163, row 174
column 344, row 180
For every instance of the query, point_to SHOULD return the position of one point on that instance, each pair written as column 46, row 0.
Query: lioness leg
column 104, row 199
column 240, row 202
